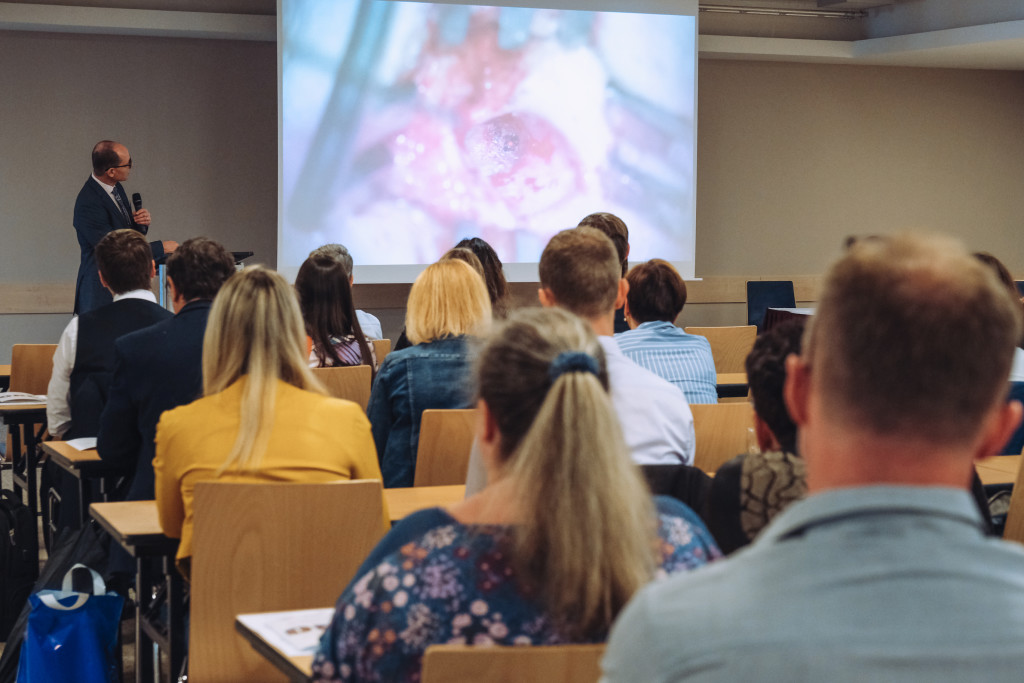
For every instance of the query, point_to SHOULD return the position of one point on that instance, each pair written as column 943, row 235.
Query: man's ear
column 620, row 296
column 546, row 298
column 797, row 388
column 102, row 280
column 152, row 269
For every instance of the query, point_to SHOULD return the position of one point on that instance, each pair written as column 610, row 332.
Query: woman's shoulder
column 686, row 541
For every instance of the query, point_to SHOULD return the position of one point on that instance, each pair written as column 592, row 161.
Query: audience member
column 749, row 490
column 447, row 303
column 549, row 551
column 369, row 324
column 494, row 274
column 325, row 299
column 655, row 299
column 614, row 228
column 1003, row 273
column 263, row 417
column 883, row 572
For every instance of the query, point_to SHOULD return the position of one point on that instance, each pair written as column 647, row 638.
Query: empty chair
column 729, row 345
column 537, row 664
column 349, row 382
column 722, row 432
column 31, row 367
column 381, row 348
column 765, row 294
column 442, row 455
column 266, row 547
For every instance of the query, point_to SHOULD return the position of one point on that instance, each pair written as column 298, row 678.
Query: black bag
column 18, row 564
column 87, row 545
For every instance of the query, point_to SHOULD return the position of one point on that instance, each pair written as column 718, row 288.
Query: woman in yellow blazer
column 263, row 416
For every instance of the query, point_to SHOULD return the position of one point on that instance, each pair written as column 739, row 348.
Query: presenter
column 102, row 206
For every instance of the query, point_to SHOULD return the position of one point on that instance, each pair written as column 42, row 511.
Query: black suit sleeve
column 119, row 439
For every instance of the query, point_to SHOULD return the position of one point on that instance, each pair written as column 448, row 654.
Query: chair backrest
column 729, row 345
column 530, row 664
column 31, row 367
column 442, row 456
column 261, row 547
column 381, row 348
column 1014, row 530
column 350, row 382
column 765, row 294
column 722, row 432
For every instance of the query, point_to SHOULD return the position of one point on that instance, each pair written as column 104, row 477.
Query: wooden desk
column 23, row 419
column 5, row 377
column 135, row 526
column 998, row 469
column 83, row 466
column 297, row 667
column 732, row 384
column 404, row 502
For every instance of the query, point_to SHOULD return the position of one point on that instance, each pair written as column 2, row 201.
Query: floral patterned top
column 433, row 580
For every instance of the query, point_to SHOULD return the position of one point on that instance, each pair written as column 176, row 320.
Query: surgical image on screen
column 407, row 126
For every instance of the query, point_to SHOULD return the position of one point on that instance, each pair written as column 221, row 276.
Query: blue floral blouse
column 433, row 580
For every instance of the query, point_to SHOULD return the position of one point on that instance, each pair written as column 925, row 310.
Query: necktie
column 122, row 207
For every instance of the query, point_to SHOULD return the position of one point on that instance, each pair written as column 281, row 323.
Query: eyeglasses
column 129, row 164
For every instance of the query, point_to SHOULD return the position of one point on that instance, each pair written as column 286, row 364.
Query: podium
column 161, row 273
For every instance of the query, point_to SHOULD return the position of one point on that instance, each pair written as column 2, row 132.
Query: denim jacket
column 429, row 375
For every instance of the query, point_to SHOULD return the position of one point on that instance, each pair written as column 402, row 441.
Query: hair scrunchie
column 572, row 361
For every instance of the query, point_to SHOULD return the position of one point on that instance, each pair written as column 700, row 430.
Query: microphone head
column 137, row 201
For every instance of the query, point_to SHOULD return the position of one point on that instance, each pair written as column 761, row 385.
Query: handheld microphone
column 137, row 201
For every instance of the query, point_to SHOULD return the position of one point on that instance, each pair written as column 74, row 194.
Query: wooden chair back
column 261, row 547
column 729, row 345
column 1014, row 530
column 350, row 382
column 722, row 432
column 442, row 456
column 531, row 664
column 381, row 348
column 31, row 367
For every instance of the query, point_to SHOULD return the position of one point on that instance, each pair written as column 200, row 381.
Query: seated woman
column 494, row 274
column 656, row 297
column 262, row 417
column 549, row 551
column 325, row 298
column 447, row 302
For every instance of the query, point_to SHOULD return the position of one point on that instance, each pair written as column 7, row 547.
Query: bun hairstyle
column 588, row 540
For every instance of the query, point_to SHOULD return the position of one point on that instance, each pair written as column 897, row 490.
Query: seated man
column 655, row 299
column 884, row 571
column 369, row 323
column 614, row 228
column 84, row 360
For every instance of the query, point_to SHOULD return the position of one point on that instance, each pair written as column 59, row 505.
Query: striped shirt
column 683, row 359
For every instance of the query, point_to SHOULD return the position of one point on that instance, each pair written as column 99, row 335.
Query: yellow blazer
column 314, row 438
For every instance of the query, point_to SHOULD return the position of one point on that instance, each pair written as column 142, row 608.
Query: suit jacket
column 155, row 369
column 96, row 214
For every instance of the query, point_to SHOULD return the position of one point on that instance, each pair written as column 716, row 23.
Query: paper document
column 291, row 633
column 86, row 443
column 16, row 397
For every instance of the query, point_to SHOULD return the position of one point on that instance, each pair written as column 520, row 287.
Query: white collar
column 144, row 294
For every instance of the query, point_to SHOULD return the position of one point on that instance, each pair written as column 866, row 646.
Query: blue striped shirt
column 683, row 359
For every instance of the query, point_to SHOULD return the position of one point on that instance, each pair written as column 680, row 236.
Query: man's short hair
column 614, row 228
column 124, row 260
column 581, row 269
column 104, row 157
column 199, row 267
column 914, row 337
column 656, row 292
column 766, row 373
column 339, row 253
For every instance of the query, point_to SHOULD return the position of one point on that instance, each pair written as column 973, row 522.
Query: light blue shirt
column 681, row 358
column 882, row 583
column 369, row 324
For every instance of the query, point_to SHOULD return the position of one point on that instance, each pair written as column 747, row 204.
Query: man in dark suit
column 102, row 206
column 160, row 368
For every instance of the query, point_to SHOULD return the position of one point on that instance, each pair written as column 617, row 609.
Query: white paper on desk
column 19, row 397
column 291, row 633
column 86, row 443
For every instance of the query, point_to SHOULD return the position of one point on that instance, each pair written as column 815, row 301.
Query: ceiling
column 973, row 34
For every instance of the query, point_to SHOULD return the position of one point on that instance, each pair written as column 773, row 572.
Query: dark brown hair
column 124, row 260
column 766, row 372
column 494, row 274
column 614, row 228
column 199, row 267
column 325, row 299
column 656, row 292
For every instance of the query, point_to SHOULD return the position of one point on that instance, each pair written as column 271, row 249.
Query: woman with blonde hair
column 263, row 416
column 549, row 552
column 447, row 304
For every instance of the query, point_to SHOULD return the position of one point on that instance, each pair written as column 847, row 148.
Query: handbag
column 71, row 636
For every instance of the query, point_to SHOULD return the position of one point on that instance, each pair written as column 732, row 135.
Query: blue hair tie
column 572, row 361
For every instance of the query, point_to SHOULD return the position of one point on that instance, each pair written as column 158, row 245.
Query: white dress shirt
column 58, row 391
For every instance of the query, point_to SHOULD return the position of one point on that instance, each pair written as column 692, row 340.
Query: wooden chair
column 349, row 382
column 442, row 456
column 263, row 547
column 31, row 367
column 1014, row 530
column 729, row 345
column 381, row 348
column 722, row 433
column 523, row 664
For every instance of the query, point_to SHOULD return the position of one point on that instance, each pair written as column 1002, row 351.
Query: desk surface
column 298, row 668
column 732, row 378
column 404, row 502
column 26, row 410
column 133, row 524
column 5, row 371
column 998, row 469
